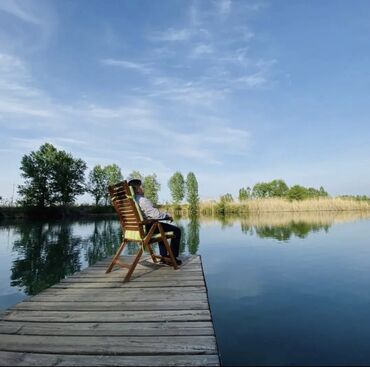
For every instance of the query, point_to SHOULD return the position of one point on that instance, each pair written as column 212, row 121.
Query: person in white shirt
column 150, row 212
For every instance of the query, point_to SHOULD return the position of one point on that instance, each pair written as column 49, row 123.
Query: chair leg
column 168, row 247
column 147, row 244
column 133, row 265
column 149, row 247
column 116, row 256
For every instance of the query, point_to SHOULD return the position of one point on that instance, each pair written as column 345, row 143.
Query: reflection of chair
column 134, row 230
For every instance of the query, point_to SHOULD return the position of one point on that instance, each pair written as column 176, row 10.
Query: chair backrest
column 129, row 212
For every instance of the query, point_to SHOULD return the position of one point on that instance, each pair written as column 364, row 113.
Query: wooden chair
column 133, row 229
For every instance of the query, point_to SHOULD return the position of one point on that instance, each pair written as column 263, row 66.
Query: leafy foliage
column 275, row 188
column 278, row 188
column 227, row 198
column 99, row 180
column 176, row 185
column 244, row 194
column 52, row 177
column 97, row 183
column 151, row 188
column 192, row 195
column 298, row 192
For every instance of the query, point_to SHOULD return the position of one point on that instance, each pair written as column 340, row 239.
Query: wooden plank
column 34, row 359
column 133, row 284
column 110, row 345
column 107, row 329
column 144, row 277
column 139, row 296
column 113, row 306
column 108, row 316
column 86, row 295
column 161, row 317
column 119, row 278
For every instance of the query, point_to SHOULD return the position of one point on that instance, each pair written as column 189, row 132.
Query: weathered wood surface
column 160, row 318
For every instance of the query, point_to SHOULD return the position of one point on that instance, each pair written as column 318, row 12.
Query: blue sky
column 236, row 91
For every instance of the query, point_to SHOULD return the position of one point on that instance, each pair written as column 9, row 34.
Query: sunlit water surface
column 283, row 289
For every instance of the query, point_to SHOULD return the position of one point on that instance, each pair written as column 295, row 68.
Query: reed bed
column 320, row 218
column 273, row 205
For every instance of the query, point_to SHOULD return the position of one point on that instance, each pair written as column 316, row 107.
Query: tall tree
column 151, row 188
column 97, row 183
column 113, row 175
column 176, row 185
column 244, row 193
column 52, row 177
column 278, row 188
column 192, row 195
column 67, row 178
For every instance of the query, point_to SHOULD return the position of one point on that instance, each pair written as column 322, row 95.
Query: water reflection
column 46, row 253
column 282, row 226
column 193, row 235
column 104, row 241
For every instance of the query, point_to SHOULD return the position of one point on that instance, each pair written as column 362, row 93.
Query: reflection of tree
column 246, row 228
column 104, row 241
column 285, row 232
column 193, row 235
column 46, row 254
column 225, row 220
column 182, row 240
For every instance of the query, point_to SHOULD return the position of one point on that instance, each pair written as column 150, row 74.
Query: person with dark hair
column 150, row 212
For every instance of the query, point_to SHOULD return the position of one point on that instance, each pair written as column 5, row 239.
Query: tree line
column 54, row 177
column 279, row 189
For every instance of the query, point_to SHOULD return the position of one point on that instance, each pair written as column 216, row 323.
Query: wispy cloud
column 18, row 96
column 171, row 35
column 24, row 11
column 201, row 50
column 224, row 6
column 32, row 25
column 127, row 65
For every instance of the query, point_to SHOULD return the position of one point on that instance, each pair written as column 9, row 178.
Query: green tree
column 298, row 192
column 192, row 195
column 277, row 188
column 227, row 198
column 97, row 183
column 151, row 188
column 51, row 176
column 113, row 175
column 244, row 193
column 176, row 185
column 260, row 190
column 322, row 192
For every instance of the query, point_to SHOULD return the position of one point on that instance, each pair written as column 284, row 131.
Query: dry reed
column 273, row 205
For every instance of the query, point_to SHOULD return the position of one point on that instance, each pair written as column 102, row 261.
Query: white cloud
column 171, row 35
column 18, row 96
column 224, row 6
column 253, row 81
column 25, row 11
column 127, row 65
column 202, row 49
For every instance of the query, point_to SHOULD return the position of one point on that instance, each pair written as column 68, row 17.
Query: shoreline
column 213, row 208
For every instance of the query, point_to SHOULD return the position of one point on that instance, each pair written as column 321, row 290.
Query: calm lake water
column 283, row 289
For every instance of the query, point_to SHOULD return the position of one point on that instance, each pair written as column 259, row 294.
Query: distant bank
column 220, row 207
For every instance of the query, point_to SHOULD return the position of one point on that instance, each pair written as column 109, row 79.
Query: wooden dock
column 160, row 318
